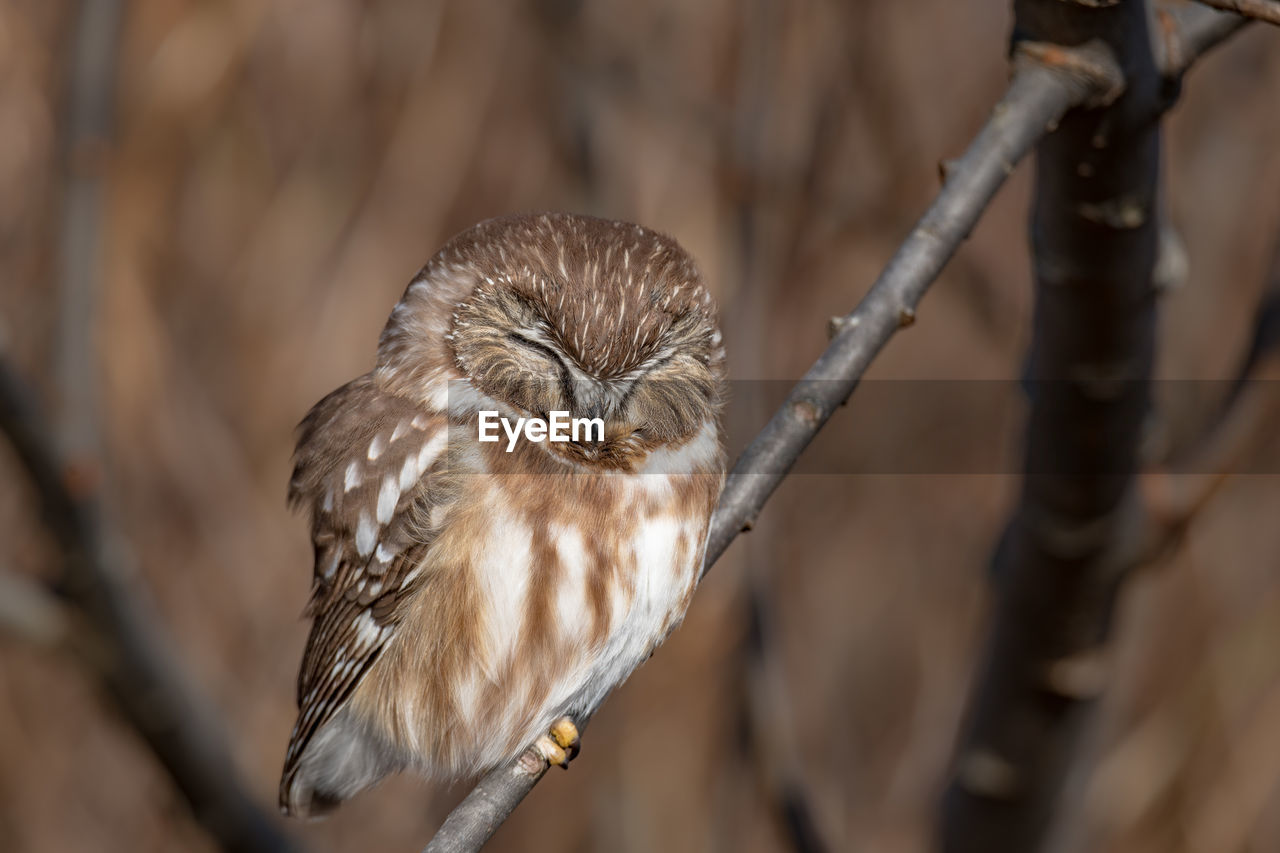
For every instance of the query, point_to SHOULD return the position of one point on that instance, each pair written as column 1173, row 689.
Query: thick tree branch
column 1070, row 542
column 1262, row 10
column 1040, row 93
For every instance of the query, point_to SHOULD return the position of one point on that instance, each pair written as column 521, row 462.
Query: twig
column 30, row 613
column 119, row 641
column 126, row 650
column 771, row 732
column 1174, row 493
column 771, row 223
column 1262, row 10
column 1037, row 97
column 85, row 148
column 1187, row 32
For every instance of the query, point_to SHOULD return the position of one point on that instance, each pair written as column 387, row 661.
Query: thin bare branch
column 85, row 152
column 1186, row 33
column 117, row 636
column 1175, row 492
column 30, row 613
column 1039, row 94
column 773, row 211
column 125, row 649
column 771, row 732
column 1261, row 10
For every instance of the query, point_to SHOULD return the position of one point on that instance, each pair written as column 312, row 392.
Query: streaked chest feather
column 542, row 591
column 575, row 573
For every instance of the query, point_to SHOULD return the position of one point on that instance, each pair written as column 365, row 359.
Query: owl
column 473, row 597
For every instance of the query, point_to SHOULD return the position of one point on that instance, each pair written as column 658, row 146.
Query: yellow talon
column 560, row 745
column 551, row 751
column 566, row 734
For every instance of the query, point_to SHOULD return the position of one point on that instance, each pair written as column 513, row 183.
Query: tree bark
column 1059, row 566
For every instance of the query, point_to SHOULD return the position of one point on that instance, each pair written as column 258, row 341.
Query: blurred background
column 278, row 171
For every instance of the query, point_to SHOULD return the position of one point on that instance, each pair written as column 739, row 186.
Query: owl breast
column 545, row 587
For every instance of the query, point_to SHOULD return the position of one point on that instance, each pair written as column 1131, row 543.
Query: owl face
column 598, row 319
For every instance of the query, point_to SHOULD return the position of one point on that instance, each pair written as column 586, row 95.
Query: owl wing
column 365, row 465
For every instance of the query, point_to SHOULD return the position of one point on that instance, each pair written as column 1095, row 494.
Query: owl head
column 558, row 312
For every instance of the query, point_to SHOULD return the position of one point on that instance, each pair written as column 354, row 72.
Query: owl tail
column 342, row 759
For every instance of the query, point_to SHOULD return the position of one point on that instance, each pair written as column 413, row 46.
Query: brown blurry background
column 279, row 171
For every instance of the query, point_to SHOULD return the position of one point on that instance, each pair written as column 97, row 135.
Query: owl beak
column 596, row 410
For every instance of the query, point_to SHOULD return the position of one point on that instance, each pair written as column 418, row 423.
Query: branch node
column 1171, row 42
column 985, row 773
column 1103, row 383
column 1080, row 677
column 1091, row 65
column 1173, row 265
column 1123, row 213
column 808, row 412
column 1068, row 539
column 838, row 324
column 30, row 612
column 82, row 477
column 945, row 170
column 906, row 317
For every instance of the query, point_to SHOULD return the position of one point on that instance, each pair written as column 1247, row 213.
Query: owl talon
column 566, row 736
column 551, row 751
